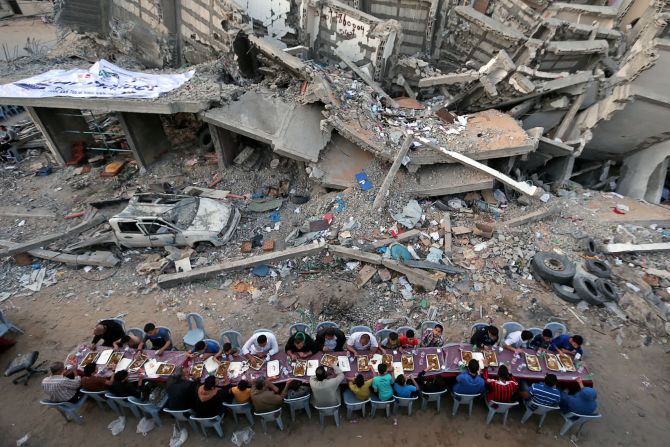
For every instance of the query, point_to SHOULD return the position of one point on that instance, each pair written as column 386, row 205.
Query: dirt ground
column 16, row 31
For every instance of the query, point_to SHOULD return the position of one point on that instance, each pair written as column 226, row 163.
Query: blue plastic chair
column 535, row 331
column 556, row 328
column 120, row 403
column 376, row 403
column 271, row 416
column 243, row 409
column 432, row 397
column 359, row 329
column 333, row 411
column 353, row 404
column 233, row 337
column 137, row 332
column 149, row 409
column 213, row 422
column 407, row 402
column 325, row 324
column 511, row 326
column 402, row 330
column 181, row 416
column 382, row 335
column 300, row 403
column 535, row 408
column 463, row 399
column 574, row 419
column 196, row 329
column 98, row 397
column 66, row 409
column 428, row 324
column 6, row 326
column 298, row 327
column 498, row 408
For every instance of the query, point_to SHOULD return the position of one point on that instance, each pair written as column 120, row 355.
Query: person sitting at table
column 265, row 396
column 209, row 399
column 359, row 387
column 541, row 341
column 409, row 341
column 109, row 331
column 241, row 392
column 485, row 336
column 432, row 338
column 503, row 389
column 570, row 345
column 469, row 381
column 383, row 383
column 541, row 393
column 128, row 340
column 121, row 387
column 159, row 338
column 59, row 387
column 582, row 402
column 299, row 345
column 205, row 348
column 436, row 385
column 363, row 341
column 392, row 342
column 325, row 391
column 263, row 344
column 330, row 339
column 180, row 390
column 91, row 382
column 228, row 351
column 517, row 340
column 296, row 389
column 402, row 389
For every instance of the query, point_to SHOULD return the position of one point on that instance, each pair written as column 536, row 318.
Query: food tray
column 466, row 356
column 222, row 370
column 407, row 363
column 114, row 360
column 388, row 359
column 552, row 362
column 255, row 363
column 362, row 363
column 300, row 368
column 137, row 363
column 328, row 360
column 197, row 369
column 533, row 363
column 90, row 358
column 567, row 363
column 433, row 362
column 165, row 369
column 491, row 358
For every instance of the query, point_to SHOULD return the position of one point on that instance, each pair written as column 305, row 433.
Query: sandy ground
column 14, row 33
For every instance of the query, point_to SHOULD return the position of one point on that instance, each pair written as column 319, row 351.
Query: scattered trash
column 242, row 437
column 22, row 440
column 261, row 270
column 117, row 425
column 363, row 181
column 410, row 215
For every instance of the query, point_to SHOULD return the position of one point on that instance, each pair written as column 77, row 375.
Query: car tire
column 589, row 246
column 587, row 290
column 566, row 293
column 554, row 268
column 598, row 268
column 607, row 289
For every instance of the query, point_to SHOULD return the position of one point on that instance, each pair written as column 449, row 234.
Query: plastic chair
column 535, row 331
column 477, row 326
column 67, row 409
column 463, row 399
column 556, row 328
column 329, row 411
column 509, row 327
column 213, row 422
column 271, row 416
column 298, row 327
column 137, row 332
column 244, row 409
column 325, row 324
column 432, row 397
column 196, row 329
column 498, row 407
column 6, row 326
column 428, row 324
column 359, row 329
column 233, row 337
column 181, row 416
column 535, row 408
column 402, row 330
column 149, row 409
column 300, row 403
column 376, row 403
column 383, row 334
column 574, row 419
column 407, row 402
column 353, row 404
column 98, row 397
column 257, row 331
column 119, row 403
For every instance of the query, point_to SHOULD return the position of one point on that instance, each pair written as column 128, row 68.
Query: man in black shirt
column 485, row 336
column 180, row 390
column 109, row 331
column 330, row 339
column 123, row 388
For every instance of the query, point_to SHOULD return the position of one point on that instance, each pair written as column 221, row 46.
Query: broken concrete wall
column 271, row 18
column 82, row 15
column 516, row 14
column 584, row 14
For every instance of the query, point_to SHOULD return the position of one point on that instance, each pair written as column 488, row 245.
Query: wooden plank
column 386, row 184
column 446, row 227
column 365, row 275
column 174, row 279
column 427, row 265
column 414, row 276
column 628, row 248
column 532, row 217
column 402, row 237
column 351, row 253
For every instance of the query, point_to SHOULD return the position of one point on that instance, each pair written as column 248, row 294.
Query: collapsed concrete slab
column 441, row 180
column 339, row 163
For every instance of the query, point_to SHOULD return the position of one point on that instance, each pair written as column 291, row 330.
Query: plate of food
column 388, row 359
column 328, row 360
column 567, row 362
column 137, row 363
column 491, row 358
column 197, row 369
column 255, row 363
column 552, row 362
column 362, row 363
column 533, row 363
column 273, row 368
column 222, row 370
column 90, row 358
column 407, row 362
column 114, row 360
column 433, row 362
column 466, row 356
column 165, row 369
column 300, row 368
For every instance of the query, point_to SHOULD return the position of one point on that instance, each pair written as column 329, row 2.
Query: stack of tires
column 572, row 287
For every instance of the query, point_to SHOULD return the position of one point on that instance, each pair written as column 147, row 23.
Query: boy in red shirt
column 503, row 389
column 409, row 340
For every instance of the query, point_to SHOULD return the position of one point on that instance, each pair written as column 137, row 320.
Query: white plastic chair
column 271, row 416
column 333, row 411
column 556, row 328
column 137, row 332
column 383, row 334
column 300, row 403
column 477, row 326
column 535, row 408
column 122, row 402
column 360, row 329
column 67, row 409
column 535, row 331
column 325, row 324
column 298, row 327
column 213, row 422
column 402, row 330
column 233, row 337
column 353, row 404
column 196, row 329
column 98, row 397
column 463, row 399
column 432, row 397
column 149, row 409
column 376, row 403
column 181, row 416
column 428, row 324
column 407, row 402
column 6, row 326
column 243, row 409
column 509, row 327
column 574, row 419
column 498, row 407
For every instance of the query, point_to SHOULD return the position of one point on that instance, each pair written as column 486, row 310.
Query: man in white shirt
column 517, row 340
column 362, row 341
column 261, row 343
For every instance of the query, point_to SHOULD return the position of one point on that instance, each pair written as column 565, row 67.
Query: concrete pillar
column 643, row 173
column 225, row 145
column 61, row 129
column 559, row 170
column 145, row 136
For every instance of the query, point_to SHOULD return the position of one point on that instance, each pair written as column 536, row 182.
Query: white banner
column 102, row 80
